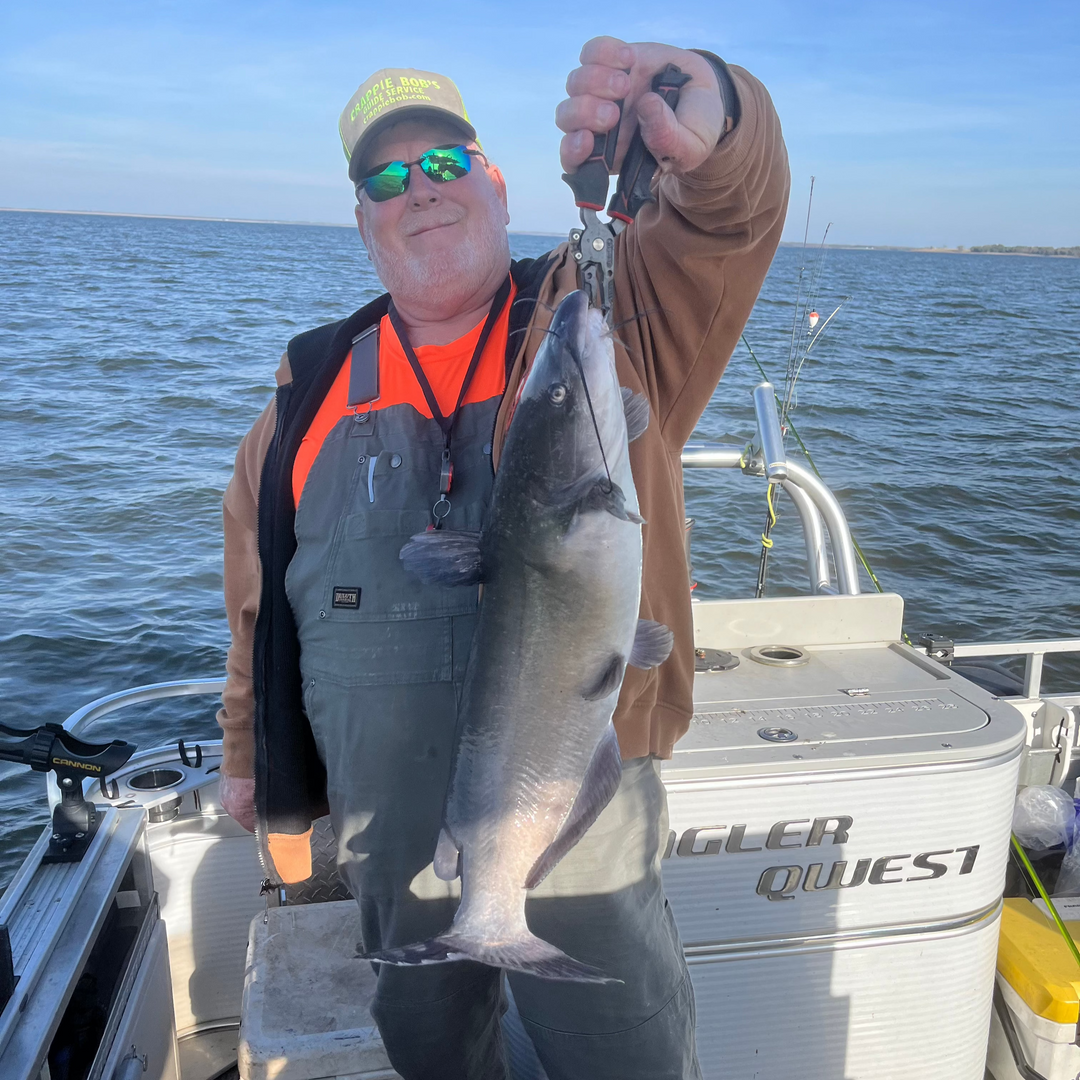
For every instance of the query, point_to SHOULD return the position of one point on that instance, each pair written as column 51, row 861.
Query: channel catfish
column 560, row 561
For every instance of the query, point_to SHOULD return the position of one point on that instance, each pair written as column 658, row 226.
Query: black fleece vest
column 290, row 779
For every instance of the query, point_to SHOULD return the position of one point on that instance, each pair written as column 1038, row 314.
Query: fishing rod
column 790, row 378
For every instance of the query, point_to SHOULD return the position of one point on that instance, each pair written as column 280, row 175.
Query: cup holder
column 779, row 655
column 155, row 779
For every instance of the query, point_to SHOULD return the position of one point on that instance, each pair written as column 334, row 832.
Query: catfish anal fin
column 443, row 557
column 597, row 789
column 652, row 644
column 636, row 407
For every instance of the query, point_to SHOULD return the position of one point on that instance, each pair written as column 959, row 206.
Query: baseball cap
column 390, row 95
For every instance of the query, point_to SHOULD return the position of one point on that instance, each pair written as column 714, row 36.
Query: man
column 344, row 673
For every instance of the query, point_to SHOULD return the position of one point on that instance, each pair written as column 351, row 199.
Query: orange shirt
column 445, row 367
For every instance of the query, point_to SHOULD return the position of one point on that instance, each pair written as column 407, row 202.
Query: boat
column 840, row 821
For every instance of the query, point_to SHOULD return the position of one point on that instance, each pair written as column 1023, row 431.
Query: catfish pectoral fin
column 601, row 494
column 609, row 678
column 652, row 644
column 443, row 557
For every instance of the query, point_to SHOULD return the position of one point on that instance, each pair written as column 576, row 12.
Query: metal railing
column 83, row 718
column 1033, row 651
column 817, row 506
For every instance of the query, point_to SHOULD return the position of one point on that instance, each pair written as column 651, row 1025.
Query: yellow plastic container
column 1040, row 982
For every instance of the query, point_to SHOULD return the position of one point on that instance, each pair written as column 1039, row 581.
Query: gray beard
column 442, row 283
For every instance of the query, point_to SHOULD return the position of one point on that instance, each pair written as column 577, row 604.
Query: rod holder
column 772, row 442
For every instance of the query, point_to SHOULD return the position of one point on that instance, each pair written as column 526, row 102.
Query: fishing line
column 817, row 472
column 596, row 426
column 635, row 317
column 798, row 371
column 795, row 366
column 588, row 396
column 799, row 281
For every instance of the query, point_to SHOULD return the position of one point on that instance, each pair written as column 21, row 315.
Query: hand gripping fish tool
column 50, row 748
column 593, row 245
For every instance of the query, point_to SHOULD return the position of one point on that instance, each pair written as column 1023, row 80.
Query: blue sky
column 925, row 123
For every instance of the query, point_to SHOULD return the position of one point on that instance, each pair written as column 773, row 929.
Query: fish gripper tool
column 593, row 245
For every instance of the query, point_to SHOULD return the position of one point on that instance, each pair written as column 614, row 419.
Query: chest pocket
column 361, row 619
column 365, row 556
column 401, row 630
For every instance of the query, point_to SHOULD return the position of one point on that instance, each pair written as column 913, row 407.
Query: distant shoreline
column 170, row 217
column 932, row 250
column 516, row 232
column 227, row 220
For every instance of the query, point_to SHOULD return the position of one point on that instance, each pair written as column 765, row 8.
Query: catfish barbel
column 560, row 560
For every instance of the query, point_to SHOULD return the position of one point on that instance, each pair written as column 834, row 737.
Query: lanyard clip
column 446, row 479
column 446, row 473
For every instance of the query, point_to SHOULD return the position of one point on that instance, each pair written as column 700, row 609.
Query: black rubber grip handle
column 633, row 190
column 589, row 182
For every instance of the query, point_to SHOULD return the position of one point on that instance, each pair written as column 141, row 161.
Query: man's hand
column 237, row 795
column 679, row 140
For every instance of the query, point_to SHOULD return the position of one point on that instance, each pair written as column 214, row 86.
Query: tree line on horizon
column 1002, row 249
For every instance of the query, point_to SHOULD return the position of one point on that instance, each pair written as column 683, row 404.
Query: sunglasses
column 440, row 163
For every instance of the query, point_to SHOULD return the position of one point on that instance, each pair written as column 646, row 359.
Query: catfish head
column 569, row 427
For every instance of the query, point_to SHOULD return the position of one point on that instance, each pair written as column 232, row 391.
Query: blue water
column 135, row 353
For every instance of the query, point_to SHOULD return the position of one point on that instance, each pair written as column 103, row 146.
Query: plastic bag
column 1043, row 819
column 1068, row 882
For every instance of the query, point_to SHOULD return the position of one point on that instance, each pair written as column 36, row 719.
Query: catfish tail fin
column 528, row 954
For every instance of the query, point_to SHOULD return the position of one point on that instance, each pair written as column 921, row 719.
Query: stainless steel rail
column 817, row 558
column 847, row 571
column 773, row 455
column 711, row 456
column 825, row 507
column 1033, row 652
column 84, row 717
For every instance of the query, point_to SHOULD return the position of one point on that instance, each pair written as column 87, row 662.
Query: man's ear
column 358, row 210
column 499, row 182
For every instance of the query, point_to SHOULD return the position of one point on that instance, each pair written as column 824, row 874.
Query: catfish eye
column 557, row 393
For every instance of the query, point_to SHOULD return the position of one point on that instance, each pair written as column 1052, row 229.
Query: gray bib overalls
column 383, row 658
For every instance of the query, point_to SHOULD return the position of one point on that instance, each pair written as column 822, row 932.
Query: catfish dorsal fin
column 636, row 407
column 597, row 790
column 443, row 557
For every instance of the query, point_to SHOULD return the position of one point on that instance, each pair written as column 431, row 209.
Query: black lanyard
column 446, row 423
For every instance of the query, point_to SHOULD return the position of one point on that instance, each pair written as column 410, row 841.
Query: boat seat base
column 306, row 1008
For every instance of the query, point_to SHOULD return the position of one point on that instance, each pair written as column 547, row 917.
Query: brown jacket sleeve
column 695, row 260
column 243, row 584
column 687, row 273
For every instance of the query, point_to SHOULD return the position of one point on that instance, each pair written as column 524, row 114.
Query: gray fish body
column 560, row 559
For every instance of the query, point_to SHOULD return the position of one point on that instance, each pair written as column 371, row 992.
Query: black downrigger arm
column 50, row 748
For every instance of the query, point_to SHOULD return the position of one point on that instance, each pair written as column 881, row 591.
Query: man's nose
column 423, row 191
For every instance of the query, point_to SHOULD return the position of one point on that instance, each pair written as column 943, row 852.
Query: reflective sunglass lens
column 446, row 164
column 441, row 164
column 387, row 184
